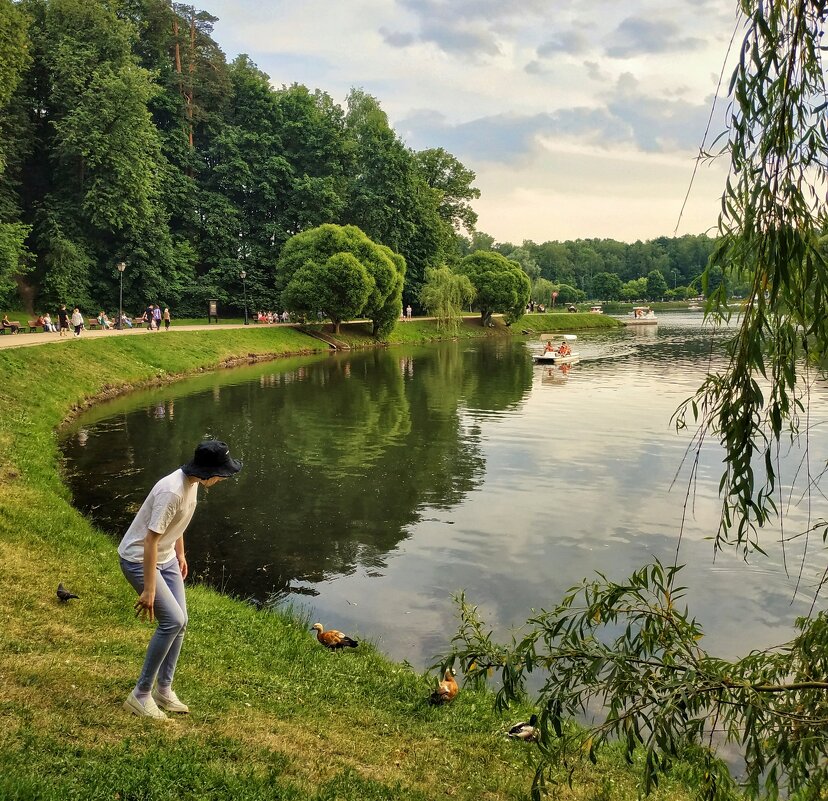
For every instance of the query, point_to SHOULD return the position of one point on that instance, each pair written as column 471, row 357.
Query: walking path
column 29, row 340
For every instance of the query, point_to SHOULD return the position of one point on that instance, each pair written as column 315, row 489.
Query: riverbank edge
column 358, row 336
column 274, row 700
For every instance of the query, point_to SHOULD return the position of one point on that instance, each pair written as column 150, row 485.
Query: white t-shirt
column 167, row 510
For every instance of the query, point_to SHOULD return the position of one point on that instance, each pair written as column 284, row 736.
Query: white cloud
column 509, row 88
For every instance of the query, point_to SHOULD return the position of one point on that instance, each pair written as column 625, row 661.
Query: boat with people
column 560, row 353
column 596, row 310
column 641, row 315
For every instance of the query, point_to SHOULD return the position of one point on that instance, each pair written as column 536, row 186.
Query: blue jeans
column 171, row 614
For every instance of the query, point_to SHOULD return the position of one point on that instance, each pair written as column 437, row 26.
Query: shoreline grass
column 274, row 715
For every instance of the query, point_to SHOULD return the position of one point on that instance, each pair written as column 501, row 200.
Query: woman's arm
column 145, row 604
column 182, row 559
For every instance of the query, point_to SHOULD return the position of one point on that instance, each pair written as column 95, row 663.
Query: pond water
column 379, row 483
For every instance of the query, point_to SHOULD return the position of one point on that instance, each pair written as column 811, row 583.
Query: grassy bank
column 418, row 331
column 274, row 715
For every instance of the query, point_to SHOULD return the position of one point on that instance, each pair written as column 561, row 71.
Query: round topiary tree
column 339, row 287
column 310, row 251
column 500, row 284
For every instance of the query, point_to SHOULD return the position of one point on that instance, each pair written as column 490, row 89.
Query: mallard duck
column 446, row 690
column 333, row 639
column 527, row 731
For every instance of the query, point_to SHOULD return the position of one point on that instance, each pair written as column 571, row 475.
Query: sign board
column 212, row 310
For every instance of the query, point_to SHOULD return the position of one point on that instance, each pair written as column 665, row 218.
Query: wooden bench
column 92, row 326
column 14, row 327
column 33, row 326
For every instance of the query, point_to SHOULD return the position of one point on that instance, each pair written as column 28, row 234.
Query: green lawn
column 274, row 715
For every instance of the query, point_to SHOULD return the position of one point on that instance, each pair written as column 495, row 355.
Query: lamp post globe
column 121, row 267
column 243, row 275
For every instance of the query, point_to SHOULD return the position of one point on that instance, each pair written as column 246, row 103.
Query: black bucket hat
column 212, row 458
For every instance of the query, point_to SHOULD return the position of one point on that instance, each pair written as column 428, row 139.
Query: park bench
column 91, row 325
column 13, row 326
column 33, row 326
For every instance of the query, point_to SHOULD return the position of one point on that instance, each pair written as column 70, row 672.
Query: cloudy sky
column 581, row 119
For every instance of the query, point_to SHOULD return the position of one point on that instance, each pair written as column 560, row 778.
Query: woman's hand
column 182, row 566
column 144, row 606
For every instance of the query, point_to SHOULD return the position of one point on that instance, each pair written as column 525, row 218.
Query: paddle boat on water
column 596, row 310
column 560, row 353
column 641, row 315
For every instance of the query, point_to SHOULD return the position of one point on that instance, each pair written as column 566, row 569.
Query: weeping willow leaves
column 629, row 653
column 633, row 648
column 445, row 294
column 773, row 214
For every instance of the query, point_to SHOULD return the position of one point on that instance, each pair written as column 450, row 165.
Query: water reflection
column 341, row 455
column 377, row 484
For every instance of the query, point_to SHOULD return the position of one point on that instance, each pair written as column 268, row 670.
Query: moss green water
column 274, row 715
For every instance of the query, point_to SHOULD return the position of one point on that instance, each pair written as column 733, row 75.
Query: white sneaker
column 170, row 701
column 147, row 709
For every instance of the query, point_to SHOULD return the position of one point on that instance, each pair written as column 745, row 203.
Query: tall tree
column 656, row 285
column 93, row 198
column 444, row 172
column 311, row 251
column 388, row 197
column 500, row 285
column 339, row 287
column 243, row 176
column 606, row 286
column 14, row 58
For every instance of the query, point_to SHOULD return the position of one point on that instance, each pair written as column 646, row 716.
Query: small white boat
column 641, row 315
column 557, row 354
column 596, row 310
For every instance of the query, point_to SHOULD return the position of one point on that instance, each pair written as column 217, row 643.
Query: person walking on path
column 149, row 316
column 63, row 319
column 77, row 321
column 153, row 561
column 167, row 318
column 156, row 317
column 408, row 311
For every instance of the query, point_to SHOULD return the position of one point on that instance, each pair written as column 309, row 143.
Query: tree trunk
column 26, row 291
column 191, row 95
column 485, row 317
column 336, row 326
column 186, row 96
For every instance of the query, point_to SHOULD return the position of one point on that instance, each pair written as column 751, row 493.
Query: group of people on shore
column 74, row 323
column 153, row 316
column 273, row 317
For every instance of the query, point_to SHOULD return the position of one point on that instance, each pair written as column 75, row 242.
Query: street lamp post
column 243, row 275
column 675, row 273
column 121, row 267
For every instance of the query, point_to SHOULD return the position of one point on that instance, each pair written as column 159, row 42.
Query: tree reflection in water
column 340, row 454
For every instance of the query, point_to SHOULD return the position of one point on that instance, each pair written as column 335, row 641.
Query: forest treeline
column 127, row 136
